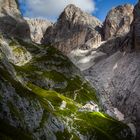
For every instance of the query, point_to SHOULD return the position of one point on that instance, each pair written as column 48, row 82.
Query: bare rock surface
column 11, row 21
column 117, row 81
column 135, row 31
column 9, row 7
column 90, row 107
column 74, row 29
column 84, row 59
column 15, row 53
column 38, row 28
column 118, row 21
column 117, row 77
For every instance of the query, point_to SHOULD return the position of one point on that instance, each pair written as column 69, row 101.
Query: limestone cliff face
column 131, row 41
column 135, row 31
column 118, row 21
column 115, row 26
column 11, row 22
column 74, row 29
column 38, row 28
column 9, row 7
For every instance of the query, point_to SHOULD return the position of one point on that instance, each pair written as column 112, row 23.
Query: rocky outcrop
column 11, row 21
column 38, row 28
column 131, row 41
column 89, row 107
column 135, row 31
column 118, row 20
column 74, row 29
column 14, row 52
column 9, row 7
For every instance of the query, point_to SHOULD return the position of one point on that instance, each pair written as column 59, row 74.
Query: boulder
column 89, row 107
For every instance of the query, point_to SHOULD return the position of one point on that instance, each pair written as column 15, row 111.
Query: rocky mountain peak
column 38, row 28
column 74, row 13
column 118, row 21
column 74, row 29
column 70, row 11
column 72, row 8
column 9, row 7
column 132, row 40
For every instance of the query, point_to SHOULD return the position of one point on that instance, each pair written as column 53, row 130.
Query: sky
column 51, row 9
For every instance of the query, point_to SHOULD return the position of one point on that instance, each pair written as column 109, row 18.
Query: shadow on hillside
column 14, row 27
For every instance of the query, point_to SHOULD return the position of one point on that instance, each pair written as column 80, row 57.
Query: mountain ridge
column 72, row 30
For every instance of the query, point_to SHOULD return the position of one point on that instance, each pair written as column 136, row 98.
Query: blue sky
column 50, row 9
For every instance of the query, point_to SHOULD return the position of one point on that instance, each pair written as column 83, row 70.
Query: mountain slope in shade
column 42, row 100
column 11, row 21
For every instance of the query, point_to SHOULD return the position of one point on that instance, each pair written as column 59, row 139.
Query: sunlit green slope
column 42, row 100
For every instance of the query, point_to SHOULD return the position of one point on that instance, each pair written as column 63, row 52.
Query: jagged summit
column 118, row 21
column 76, row 15
column 71, row 8
column 132, row 40
column 37, row 28
column 74, row 29
column 9, row 7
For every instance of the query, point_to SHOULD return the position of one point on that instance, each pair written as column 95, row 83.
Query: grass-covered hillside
column 42, row 98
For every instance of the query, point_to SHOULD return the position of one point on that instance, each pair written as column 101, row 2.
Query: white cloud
column 51, row 9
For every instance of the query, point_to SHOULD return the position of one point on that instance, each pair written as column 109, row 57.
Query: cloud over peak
column 51, row 9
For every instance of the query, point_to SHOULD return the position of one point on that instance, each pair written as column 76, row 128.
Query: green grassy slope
column 48, row 81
